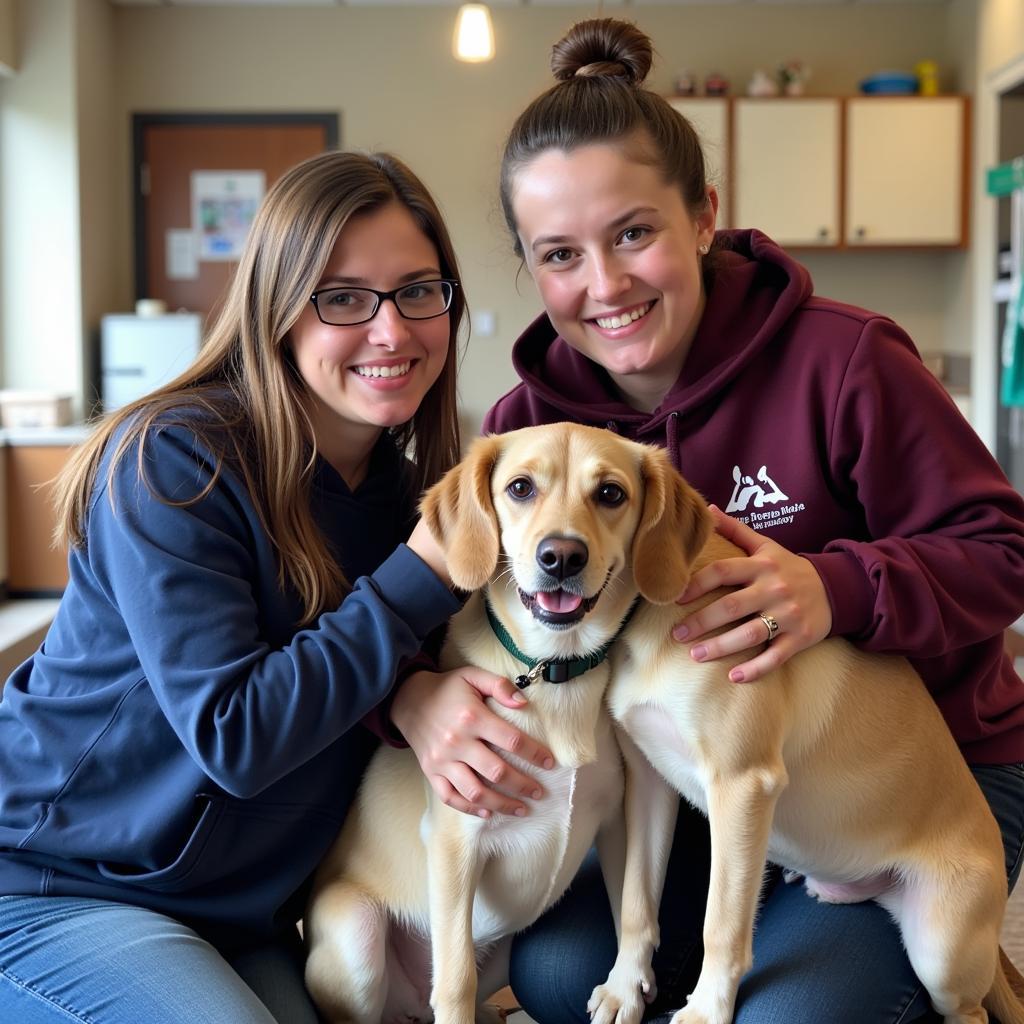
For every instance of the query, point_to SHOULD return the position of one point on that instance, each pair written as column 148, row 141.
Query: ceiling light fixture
column 474, row 34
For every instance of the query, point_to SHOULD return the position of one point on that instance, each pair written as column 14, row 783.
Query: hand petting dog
column 455, row 737
column 773, row 582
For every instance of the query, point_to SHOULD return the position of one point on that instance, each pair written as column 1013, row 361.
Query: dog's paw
column 711, row 1002
column 623, row 998
column 690, row 1015
column 790, row 877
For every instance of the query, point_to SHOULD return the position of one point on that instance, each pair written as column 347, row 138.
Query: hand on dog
column 451, row 731
column 425, row 544
column 769, row 580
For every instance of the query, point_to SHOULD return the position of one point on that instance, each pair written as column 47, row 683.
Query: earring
column 703, row 248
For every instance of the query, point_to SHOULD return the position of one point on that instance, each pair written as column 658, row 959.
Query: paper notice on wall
column 181, row 255
column 223, row 207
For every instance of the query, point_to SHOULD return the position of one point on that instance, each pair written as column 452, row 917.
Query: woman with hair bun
column 865, row 506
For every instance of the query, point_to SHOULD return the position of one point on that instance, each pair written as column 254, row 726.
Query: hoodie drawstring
column 672, row 440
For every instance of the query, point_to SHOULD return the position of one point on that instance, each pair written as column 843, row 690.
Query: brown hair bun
column 603, row 47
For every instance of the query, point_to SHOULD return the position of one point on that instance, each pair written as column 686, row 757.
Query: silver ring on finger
column 771, row 624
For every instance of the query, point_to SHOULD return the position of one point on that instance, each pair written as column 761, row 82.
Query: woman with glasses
column 180, row 752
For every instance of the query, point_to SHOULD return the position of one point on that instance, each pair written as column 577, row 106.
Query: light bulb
column 474, row 34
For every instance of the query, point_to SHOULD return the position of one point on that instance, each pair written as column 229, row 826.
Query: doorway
column 197, row 178
column 1009, row 419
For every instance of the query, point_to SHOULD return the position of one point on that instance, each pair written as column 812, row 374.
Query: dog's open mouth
column 558, row 607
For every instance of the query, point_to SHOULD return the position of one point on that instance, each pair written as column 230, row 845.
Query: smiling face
column 372, row 375
column 614, row 253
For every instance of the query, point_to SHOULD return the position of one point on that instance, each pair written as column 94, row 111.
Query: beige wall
column 999, row 66
column 40, row 289
column 1001, row 33
column 390, row 74
column 98, row 134
column 8, row 36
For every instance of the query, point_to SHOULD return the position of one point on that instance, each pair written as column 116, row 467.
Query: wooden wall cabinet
column 787, row 169
column 906, row 170
column 34, row 568
column 834, row 172
column 711, row 118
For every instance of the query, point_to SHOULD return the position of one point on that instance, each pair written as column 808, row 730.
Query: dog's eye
column 611, row 495
column 520, row 488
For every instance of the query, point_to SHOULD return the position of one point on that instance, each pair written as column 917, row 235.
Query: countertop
column 45, row 436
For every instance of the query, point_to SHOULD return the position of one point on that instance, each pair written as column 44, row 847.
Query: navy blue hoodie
column 177, row 742
column 816, row 423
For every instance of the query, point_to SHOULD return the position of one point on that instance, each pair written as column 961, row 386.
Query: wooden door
column 709, row 116
column 786, row 169
column 172, row 261
column 906, row 170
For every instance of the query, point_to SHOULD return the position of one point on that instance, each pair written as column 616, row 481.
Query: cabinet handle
column 861, row 232
column 823, row 233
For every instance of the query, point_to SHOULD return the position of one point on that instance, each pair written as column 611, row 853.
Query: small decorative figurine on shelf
column 716, row 84
column 927, row 72
column 762, row 84
column 791, row 76
column 685, row 84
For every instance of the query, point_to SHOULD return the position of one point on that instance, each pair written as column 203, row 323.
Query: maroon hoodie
column 816, row 423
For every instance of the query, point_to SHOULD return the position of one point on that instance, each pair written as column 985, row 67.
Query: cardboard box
column 19, row 409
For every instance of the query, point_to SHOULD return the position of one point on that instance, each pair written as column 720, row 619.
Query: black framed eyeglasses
column 346, row 307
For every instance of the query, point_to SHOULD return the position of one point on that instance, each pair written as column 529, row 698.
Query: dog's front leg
column 740, row 810
column 454, row 867
column 634, row 878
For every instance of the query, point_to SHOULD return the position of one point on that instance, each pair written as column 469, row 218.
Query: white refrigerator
column 139, row 353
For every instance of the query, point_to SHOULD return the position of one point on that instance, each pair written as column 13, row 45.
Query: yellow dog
column 561, row 527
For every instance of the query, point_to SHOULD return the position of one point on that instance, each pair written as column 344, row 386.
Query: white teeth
column 398, row 370
column 611, row 322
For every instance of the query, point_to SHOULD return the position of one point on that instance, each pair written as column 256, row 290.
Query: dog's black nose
column 562, row 557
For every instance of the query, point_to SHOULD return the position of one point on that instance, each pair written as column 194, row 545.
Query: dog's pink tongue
column 558, row 601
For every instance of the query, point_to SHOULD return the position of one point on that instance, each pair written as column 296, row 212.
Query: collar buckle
column 557, row 672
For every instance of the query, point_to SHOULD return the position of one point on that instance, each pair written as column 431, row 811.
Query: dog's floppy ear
column 460, row 513
column 674, row 525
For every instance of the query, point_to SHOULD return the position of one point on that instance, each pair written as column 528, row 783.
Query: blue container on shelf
column 889, row 83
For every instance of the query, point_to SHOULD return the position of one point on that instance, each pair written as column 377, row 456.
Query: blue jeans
column 813, row 962
column 73, row 960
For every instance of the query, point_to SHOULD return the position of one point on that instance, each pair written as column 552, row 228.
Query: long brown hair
column 601, row 65
column 243, row 382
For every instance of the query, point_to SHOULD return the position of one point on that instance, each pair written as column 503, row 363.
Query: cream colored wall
column 999, row 66
column 40, row 290
column 97, row 135
column 390, row 75
column 8, row 36
column 1000, row 33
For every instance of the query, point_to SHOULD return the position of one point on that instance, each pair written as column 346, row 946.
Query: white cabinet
column 709, row 116
column 905, row 170
column 786, row 168
column 831, row 172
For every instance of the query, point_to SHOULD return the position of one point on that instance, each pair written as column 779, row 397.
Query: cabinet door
column 905, row 170
column 34, row 567
column 709, row 116
column 786, row 169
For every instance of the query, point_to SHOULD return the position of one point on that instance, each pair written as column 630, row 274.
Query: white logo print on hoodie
column 763, row 491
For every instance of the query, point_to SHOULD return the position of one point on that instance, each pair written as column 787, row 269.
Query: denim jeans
column 813, row 962
column 73, row 960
